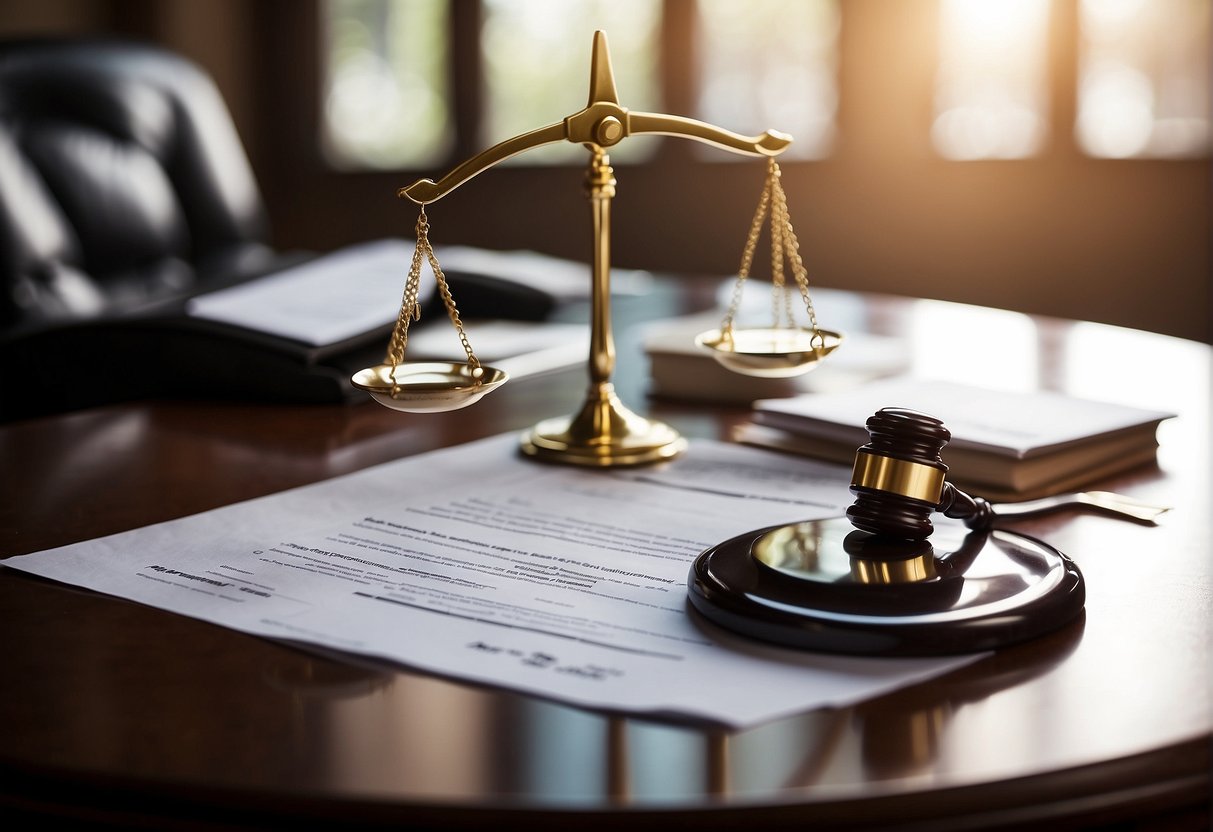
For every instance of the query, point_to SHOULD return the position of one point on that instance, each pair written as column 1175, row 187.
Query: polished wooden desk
column 118, row 713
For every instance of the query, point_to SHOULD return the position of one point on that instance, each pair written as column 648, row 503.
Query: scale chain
column 747, row 258
column 453, row 313
column 779, row 300
column 782, row 220
column 410, row 309
column 784, row 248
column 410, row 306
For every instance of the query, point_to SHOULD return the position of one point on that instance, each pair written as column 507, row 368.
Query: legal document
column 476, row 563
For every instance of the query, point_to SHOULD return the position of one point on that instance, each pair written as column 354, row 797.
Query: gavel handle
column 974, row 511
column 1105, row 502
column 980, row 514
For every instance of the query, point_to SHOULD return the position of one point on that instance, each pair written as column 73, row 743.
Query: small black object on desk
column 882, row 581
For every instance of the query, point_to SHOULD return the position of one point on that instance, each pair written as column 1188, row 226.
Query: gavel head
column 898, row 479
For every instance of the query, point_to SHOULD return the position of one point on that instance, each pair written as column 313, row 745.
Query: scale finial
column 602, row 78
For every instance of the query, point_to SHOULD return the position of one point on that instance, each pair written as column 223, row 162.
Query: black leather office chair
column 125, row 190
column 122, row 182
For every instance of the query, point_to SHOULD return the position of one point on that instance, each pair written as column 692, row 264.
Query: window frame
column 677, row 63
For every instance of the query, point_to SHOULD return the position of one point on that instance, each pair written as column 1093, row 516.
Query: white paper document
column 518, row 348
column 475, row 563
column 564, row 280
column 324, row 301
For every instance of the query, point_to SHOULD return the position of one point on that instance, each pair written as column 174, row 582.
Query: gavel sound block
column 883, row 580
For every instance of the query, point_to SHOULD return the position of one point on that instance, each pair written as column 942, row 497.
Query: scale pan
column 770, row 352
column 426, row 387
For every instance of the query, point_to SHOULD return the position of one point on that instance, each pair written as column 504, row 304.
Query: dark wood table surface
column 113, row 712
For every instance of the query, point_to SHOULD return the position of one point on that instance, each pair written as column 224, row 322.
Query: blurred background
column 1047, row 156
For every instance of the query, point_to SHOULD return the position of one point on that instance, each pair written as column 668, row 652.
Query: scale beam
column 770, row 143
column 603, row 124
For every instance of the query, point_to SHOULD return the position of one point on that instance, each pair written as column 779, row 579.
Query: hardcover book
column 1004, row 445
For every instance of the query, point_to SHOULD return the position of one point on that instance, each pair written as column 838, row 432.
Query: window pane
column 387, row 83
column 1144, row 72
column 991, row 94
column 771, row 65
column 537, row 67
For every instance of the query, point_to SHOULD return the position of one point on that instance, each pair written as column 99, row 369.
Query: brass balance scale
column 820, row 586
column 604, row 432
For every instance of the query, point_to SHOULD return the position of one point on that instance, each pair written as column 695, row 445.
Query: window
column 991, row 96
column 387, row 84
column 1143, row 78
column 771, row 64
column 1144, row 70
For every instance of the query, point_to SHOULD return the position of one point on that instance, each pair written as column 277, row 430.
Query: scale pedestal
column 604, row 433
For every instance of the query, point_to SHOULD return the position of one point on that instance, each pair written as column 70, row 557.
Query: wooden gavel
column 899, row 479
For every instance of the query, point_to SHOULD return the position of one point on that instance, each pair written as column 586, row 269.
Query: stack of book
column 1005, row 446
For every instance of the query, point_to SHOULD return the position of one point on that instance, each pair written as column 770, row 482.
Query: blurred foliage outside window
column 763, row 64
column 387, row 83
column 1144, row 78
column 770, row 64
column 1143, row 85
column 537, row 68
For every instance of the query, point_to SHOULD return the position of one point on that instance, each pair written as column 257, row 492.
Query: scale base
column 823, row 585
column 603, row 434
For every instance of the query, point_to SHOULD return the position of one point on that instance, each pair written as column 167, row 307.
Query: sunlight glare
column 990, row 97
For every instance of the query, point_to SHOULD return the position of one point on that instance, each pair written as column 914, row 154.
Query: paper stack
column 1004, row 445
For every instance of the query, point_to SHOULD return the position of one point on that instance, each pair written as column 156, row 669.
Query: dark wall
column 1123, row 242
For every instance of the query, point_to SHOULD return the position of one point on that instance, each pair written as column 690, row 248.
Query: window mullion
column 467, row 75
column 678, row 56
column 677, row 62
column 1063, row 70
